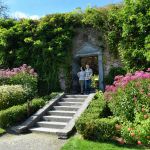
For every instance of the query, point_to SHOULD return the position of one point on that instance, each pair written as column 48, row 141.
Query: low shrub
column 19, row 113
column 11, row 95
column 101, row 129
column 91, row 125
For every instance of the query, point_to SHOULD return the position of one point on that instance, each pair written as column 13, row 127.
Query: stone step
column 73, row 99
column 66, row 108
column 76, row 96
column 55, row 125
column 61, row 113
column 69, row 103
column 57, row 118
column 45, row 130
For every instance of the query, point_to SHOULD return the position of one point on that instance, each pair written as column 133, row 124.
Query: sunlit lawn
column 77, row 143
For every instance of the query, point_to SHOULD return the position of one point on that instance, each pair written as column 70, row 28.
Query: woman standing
column 81, row 76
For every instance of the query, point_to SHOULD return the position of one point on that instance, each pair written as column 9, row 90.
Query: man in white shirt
column 88, row 76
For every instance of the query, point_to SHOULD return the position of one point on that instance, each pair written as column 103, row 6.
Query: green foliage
column 44, row 45
column 114, row 71
column 92, row 126
column 11, row 95
column 18, row 113
column 134, row 45
column 129, row 100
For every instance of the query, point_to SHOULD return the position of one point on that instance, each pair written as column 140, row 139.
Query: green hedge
column 16, row 114
column 92, row 126
column 100, row 129
column 11, row 95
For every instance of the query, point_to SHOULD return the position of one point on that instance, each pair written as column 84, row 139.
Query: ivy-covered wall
column 46, row 44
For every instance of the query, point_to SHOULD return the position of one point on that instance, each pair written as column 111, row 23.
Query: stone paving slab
column 31, row 141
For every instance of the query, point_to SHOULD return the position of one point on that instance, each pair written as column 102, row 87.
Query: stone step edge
column 52, row 122
column 61, row 111
column 53, row 116
column 46, row 130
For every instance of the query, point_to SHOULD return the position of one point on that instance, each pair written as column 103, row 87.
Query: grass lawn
column 2, row 131
column 77, row 143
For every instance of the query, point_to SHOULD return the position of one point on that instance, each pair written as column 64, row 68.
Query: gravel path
column 32, row 141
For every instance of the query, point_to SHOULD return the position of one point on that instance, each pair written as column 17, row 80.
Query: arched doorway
column 89, row 53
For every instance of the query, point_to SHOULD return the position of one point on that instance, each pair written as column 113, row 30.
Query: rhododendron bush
column 129, row 100
column 23, row 75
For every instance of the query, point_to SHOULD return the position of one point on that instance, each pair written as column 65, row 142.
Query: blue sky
column 38, row 8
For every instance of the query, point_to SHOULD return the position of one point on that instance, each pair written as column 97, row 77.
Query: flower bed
column 129, row 100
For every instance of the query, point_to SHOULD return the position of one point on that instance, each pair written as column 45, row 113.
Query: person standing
column 81, row 76
column 88, row 76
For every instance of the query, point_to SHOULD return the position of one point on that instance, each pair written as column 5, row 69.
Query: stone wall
column 94, row 38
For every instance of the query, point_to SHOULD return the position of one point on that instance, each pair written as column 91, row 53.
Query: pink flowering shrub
column 122, row 81
column 24, row 75
column 129, row 100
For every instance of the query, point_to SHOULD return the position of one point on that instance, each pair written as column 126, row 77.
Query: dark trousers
column 87, row 86
column 81, row 82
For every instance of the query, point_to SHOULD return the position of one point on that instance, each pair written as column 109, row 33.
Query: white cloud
column 21, row 15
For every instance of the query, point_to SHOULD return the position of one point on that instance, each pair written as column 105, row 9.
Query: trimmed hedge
column 16, row 114
column 101, row 129
column 92, row 126
column 11, row 95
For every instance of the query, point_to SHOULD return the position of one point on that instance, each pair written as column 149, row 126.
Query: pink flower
column 31, row 71
column 148, row 69
column 24, row 65
column 24, row 69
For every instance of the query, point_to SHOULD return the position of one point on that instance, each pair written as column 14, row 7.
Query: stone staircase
column 58, row 118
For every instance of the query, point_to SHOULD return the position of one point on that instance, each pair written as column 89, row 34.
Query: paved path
column 32, row 141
